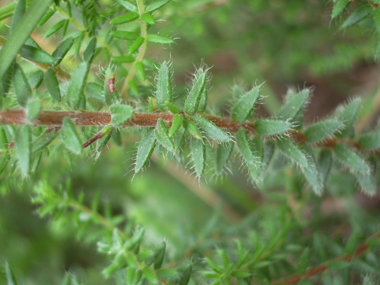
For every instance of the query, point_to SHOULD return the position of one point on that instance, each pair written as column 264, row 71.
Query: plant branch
column 324, row 267
column 142, row 50
column 84, row 118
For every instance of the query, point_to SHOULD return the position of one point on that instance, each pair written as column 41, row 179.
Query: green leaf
column 164, row 93
column 223, row 153
column 127, row 5
column 366, row 182
column 323, row 129
column 4, row 162
column 95, row 91
column 88, row 54
column 270, row 127
column 6, row 81
column 156, row 5
column 245, row 147
column 47, row 16
column 36, row 55
column 153, row 38
column 244, row 106
column 35, row 79
column 129, row 17
column 140, row 71
column 350, row 158
column 257, row 169
column 78, row 44
column 292, row 151
column 55, row 28
column 120, row 114
column 61, row 51
column 303, row 261
column 124, row 35
column 21, row 32
column 123, row 59
column 172, row 108
column 311, row 173
column 198, row 155
column 76, row 85
column 347, row 114
column 23, row 143
column 52, row 85
column 11, row 280
column 176, row 124
column 211, row 130
column 33, row 109
column 3, row 139
column 178, row 137
column 324, row 163
column 376, row 19
column 358, row 15
column 203, row 101
column 159, row 256
column 148, row 18
column 339, row 7
column 186, row 274
column 194, row 97
column 294, row 104
column 136, row 45
column 70, row 136
column 21, row 86
column 162, row 135
column 370, row 141
column 145, row 149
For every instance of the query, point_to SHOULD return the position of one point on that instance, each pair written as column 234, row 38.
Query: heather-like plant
column 79, row 98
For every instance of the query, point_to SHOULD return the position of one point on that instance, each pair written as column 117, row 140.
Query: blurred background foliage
column 246, row 42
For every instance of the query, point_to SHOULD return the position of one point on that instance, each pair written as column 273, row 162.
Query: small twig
column 55, row 119
column 324, row 267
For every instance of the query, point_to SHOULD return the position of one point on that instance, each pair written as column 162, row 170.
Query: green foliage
column 77, row 86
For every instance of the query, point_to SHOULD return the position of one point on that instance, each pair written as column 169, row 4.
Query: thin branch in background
column 294, row 279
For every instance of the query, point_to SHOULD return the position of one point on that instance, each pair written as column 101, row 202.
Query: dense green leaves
column 244, row 106
column 21, row 32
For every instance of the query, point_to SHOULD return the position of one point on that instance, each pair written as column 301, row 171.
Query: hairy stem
column 55, row 118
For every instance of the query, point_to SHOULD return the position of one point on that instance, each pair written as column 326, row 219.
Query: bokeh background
column 286, row 44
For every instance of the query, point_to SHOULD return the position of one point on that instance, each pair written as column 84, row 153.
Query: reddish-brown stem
column 324, row 267
column 55, row 119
